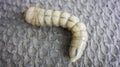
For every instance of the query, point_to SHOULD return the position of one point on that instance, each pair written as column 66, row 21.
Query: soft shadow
column 67, row 36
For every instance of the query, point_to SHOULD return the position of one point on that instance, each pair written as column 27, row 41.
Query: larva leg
column 78, row 43
column 71, row 22
column 48, row 17
column 63, row 19
column 56, row 18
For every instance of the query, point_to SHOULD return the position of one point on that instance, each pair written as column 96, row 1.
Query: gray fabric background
column 24, row 45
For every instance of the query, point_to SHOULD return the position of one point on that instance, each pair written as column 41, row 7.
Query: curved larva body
column 41, row 17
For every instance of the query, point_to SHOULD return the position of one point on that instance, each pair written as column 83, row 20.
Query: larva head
column 29, row 14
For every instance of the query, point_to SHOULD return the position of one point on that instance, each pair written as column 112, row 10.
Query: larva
column 41, row 17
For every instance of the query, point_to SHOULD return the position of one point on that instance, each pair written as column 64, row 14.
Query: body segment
column 55, row 18
column 63, row 19
column 48, row 17
column 71, row 22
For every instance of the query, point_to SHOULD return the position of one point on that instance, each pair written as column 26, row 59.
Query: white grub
column 41, row 17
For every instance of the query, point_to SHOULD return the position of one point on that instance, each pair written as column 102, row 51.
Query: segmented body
column 41, row 17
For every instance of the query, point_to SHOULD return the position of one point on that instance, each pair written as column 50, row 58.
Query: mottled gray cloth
column 24, row 45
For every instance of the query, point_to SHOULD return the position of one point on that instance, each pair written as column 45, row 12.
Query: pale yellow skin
column 40, row 17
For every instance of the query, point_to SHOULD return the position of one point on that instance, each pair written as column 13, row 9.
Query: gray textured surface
column 22, row 44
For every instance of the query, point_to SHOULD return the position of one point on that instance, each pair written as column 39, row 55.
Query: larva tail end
column 73, row 53
column 72, row 60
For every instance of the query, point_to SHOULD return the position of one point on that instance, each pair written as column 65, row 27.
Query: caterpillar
column 41, row 17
